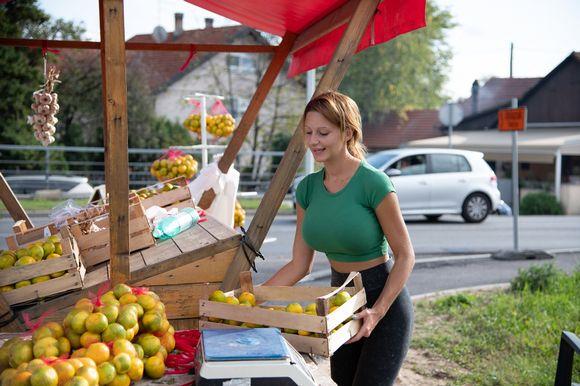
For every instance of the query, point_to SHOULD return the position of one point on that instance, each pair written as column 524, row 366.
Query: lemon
column 295, row 308
column 341, row 298
column 218, row 296
column 247, row 296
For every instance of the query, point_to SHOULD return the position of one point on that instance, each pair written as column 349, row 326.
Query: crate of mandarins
column 315, row 320
column 40, row 268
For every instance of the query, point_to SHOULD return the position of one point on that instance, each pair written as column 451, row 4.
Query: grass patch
column 33, row 204
column 504, row 338
column 251, row 203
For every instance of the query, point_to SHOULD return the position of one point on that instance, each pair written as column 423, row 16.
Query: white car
column 434, row 182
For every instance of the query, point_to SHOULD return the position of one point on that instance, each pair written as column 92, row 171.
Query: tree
column 405, row 73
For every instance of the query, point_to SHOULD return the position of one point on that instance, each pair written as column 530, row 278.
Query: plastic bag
column 59, row 214
column 225, row 186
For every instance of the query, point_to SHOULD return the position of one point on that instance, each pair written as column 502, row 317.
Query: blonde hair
column 342, row 112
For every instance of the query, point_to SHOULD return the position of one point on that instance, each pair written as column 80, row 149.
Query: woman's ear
column 348, row 134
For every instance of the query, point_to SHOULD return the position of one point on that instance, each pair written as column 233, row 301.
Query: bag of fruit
column 219, row 122
column 174, row 163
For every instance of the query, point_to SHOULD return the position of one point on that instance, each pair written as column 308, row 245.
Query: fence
column 256, row 168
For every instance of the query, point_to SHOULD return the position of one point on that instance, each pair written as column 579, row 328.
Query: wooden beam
column 323, row 26
column 12, row 204
column 134, row 46
column 286, row 171
column 116, row 135
column 251, row 113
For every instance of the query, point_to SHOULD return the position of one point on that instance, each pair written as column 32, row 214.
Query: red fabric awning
column 393, row 18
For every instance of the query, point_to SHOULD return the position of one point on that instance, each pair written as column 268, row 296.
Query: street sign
column 512, row 119
column 450, row 114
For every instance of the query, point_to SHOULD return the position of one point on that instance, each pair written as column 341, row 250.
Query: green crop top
column 344, row 224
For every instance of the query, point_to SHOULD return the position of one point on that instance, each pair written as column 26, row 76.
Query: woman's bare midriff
column 357, row 266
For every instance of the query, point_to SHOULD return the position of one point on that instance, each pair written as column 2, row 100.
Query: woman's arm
column 394, row 228
column 302, row 258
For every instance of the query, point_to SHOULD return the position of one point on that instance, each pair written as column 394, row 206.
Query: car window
column 449, row 163
column 411, row 165
column 377, row 160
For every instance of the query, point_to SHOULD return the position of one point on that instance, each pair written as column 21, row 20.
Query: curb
column 436, row 294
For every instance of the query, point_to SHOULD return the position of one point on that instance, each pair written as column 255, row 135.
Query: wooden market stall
column 326, row 32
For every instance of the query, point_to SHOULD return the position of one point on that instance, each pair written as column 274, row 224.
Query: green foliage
column 535, row 278
column 454, row 301
column 540, row 203
column 405, row 73
column 504, row 338
column 280, row 141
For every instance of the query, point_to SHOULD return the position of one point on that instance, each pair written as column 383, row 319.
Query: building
column 232, row 75
column 549, row 150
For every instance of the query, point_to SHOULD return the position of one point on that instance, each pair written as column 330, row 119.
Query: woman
column 348, row 210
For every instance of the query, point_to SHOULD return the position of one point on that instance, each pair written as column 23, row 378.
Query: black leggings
column 375, row 360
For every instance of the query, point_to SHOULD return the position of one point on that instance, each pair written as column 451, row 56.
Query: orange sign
column 512, row 119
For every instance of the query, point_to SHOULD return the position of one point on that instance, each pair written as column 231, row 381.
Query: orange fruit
column 150, row 344
column 139, row 350
column 121, row 380
column 64, row 370
column 64, row 346
column 124, row 346
column 136, row 370
column 87, row 362
column 99, row 352
column 89, row 338
column 45, row 376
column 90, row 374
column 152, row 321
column 128, row 298
column 20, row 352
column 147, row 302
column 21, row 378
column 96, row 322
column 85, row 304
column 154, row 367
column 120, row 290
column 106, row 372
column 74, row 339
column 77, row 381
column 168, row 341
column 75, row 363
column 77, row 322
column 122, row 363
column 113, row 332
column 80, row 353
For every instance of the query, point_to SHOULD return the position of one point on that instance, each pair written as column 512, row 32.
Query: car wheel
column 476, row 207
column 432, row 217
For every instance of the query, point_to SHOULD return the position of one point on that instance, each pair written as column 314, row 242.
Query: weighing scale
column 248, row 357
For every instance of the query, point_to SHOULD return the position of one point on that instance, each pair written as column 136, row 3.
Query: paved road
column 448, row 236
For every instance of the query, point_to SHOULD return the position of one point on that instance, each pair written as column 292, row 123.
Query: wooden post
column 12, row 204
column 286, row 171
column 116, row 135
column 251, row 113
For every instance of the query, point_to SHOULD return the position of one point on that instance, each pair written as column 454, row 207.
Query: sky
column 543, row 33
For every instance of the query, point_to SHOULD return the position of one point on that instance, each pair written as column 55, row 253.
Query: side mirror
column 392, row 172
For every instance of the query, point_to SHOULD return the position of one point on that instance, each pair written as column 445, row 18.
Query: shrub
column 452, row 301
column 540, row 203
column 535, row 278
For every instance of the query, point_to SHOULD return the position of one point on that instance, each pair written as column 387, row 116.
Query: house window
column 241, row 63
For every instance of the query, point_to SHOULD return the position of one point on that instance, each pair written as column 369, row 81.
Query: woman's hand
column 370, row 318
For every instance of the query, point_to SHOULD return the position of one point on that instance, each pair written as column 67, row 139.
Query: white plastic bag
column 225, row 187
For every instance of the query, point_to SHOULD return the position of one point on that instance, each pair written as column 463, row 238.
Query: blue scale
column 248, row 357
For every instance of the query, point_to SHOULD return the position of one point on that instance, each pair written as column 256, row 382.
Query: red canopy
column 393, row 18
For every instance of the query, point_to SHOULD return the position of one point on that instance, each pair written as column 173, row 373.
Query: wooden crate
column 324, row 339
column 178, row 198
column 94, row 246
column 69, row 261
column 22, row 235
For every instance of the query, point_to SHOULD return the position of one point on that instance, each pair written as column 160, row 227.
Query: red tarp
column 393, row 18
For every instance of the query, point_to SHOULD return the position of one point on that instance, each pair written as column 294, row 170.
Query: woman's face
column 323, row 138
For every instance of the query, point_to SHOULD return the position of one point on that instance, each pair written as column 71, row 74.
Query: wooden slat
column 185, row 324
column 12, row 204
column 168, row 198
column 68, row 281
column 182, row 300
column 136, row 261
column 342, row 335
column 164, row 250
column 210, row 269
column 262, row 316
column 183, row 259
column 217, row 229
column 116, row 134
column 196, row 238
column 294, row 153
column 134, row 46
column 249, row 117
column 293, row 294
column 325, row 25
